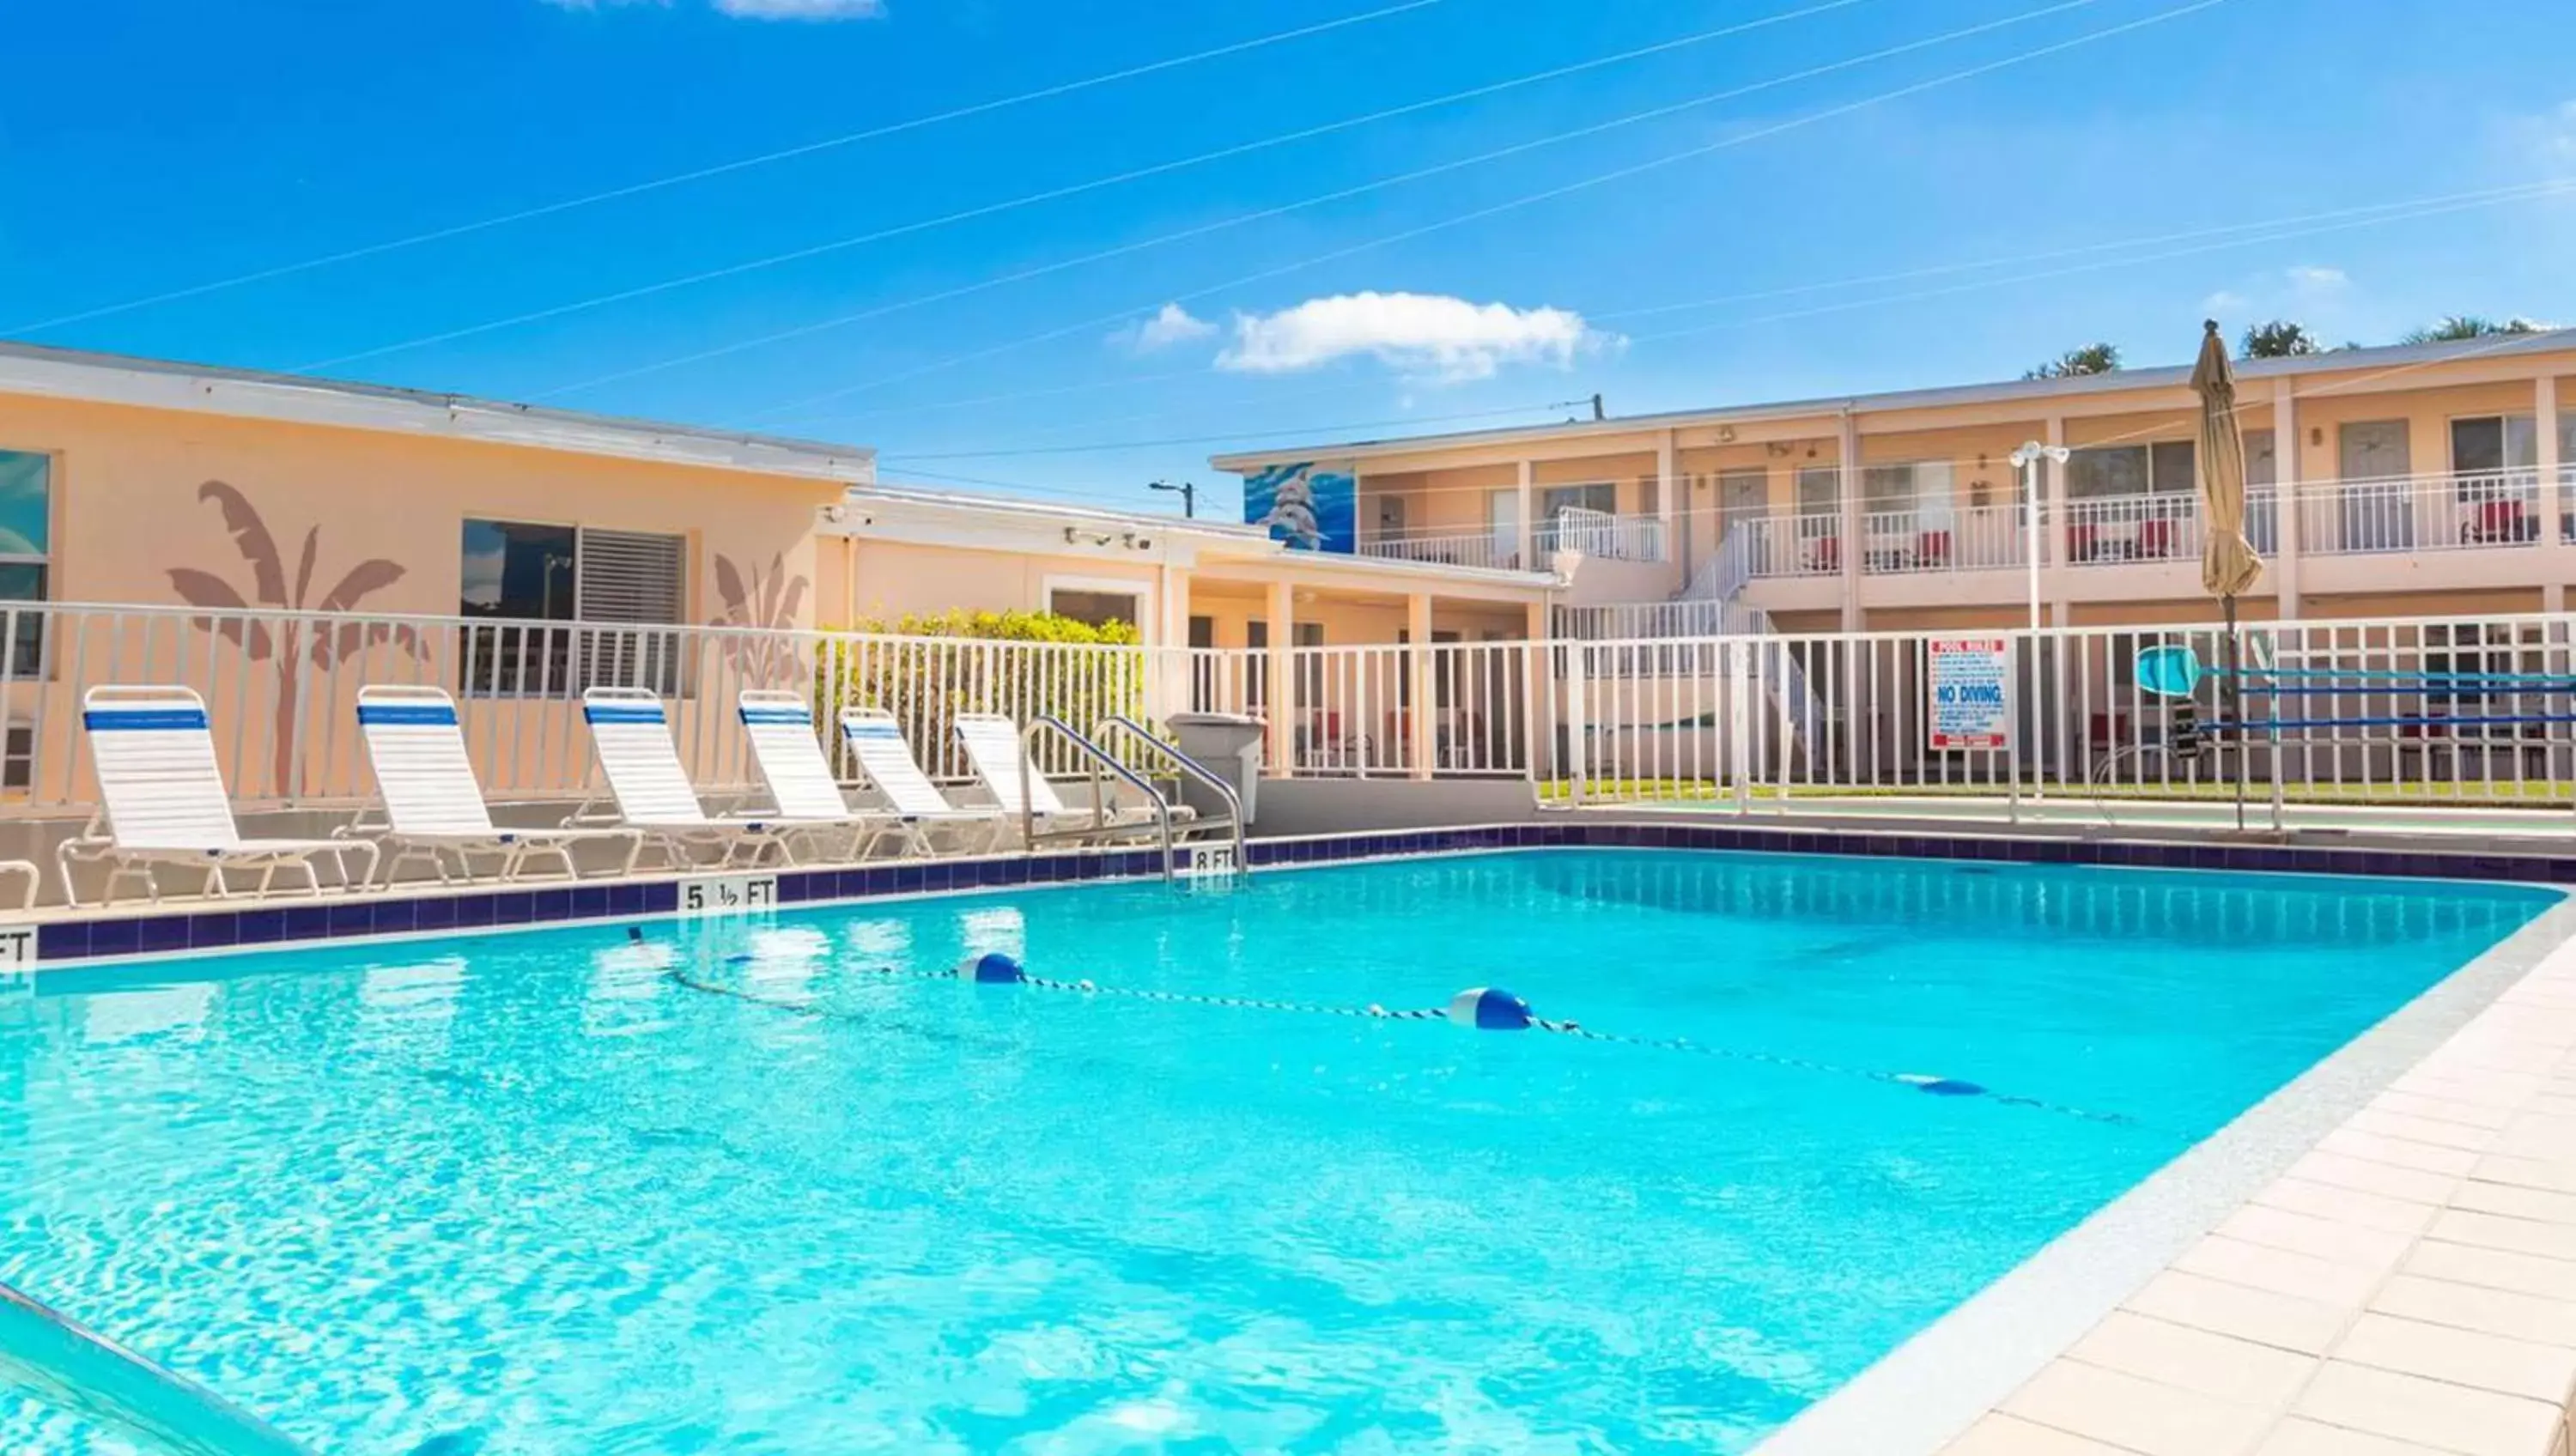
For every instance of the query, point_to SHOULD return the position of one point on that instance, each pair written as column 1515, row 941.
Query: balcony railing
column 1602, row 535
column 2412, row 513
column 1480, row 548
column 1801, row 545
column 1978, row 538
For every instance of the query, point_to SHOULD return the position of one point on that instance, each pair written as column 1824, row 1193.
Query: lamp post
column 1189, row 495
column 2027, row 459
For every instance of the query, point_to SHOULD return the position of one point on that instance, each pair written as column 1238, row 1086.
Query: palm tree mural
column 768, row 601
column 291, row 645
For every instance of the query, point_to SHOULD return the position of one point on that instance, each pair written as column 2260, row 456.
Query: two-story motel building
column 2408, row 481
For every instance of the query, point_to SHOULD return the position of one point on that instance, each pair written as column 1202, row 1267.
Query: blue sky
column 150, row 147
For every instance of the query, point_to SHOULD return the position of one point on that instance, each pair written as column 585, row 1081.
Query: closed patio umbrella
column 2228, row 564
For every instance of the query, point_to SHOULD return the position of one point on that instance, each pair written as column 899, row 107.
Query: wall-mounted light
column 1726, row 434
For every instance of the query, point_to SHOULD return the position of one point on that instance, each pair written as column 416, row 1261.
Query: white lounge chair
column 432, row 803
column 780, row 729
column 884, row 756
column 162, row 801
column 1001, row 763
column 632, row 737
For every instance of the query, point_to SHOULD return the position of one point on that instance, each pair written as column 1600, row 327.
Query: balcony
column 2117, row 530
column 1479, row 548
column 2404, row 514
column 1810, row 544
column 1603, row 536
column 1595, row 534
column 1979, row 538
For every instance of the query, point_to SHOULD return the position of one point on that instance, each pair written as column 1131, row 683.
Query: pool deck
column 2378, row 1260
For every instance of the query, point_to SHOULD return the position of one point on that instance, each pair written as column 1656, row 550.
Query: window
column 1886, row 488
column 522, row 575
column 2163, row 468
column 1820, row 490
column 1093, row 608
column 26, row 536
column 2494, row 443
column 1599, row 495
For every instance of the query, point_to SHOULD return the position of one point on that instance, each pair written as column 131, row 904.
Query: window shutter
column 633, row 578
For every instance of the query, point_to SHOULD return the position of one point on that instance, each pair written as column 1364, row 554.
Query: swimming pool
column 767, row 1186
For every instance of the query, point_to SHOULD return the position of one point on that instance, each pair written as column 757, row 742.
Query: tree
column 290, row 642
column 2470, row 326
column 2075, row 363
column 2279, row 339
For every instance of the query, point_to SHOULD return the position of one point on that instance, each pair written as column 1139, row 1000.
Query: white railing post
column 1578, row 750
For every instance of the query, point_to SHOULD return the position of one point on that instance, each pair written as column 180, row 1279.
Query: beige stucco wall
column 891, row 579
column 126, row 506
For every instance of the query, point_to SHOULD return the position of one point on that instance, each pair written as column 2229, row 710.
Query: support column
column 1847, row 448
column 1422, row 713
column 1179, row 669
column 1528, row 544
column 1667, row 496
column 2544, row 422
column 2057, row 572
column 2285, row 498
column 1281, row 704
column 1538, row 700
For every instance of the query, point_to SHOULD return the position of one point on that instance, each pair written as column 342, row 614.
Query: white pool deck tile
column 2398, row 1279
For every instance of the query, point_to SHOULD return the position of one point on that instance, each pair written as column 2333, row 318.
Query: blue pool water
column 533, row 1194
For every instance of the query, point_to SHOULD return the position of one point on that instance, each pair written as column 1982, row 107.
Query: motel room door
column 2378, row 507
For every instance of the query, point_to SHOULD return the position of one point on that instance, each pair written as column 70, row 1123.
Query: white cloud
column 802, row 9
column 1429, row 335
column 1172, row 325
column 2312, row 280
column 2547, row 140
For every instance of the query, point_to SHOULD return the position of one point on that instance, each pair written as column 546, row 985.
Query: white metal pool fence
column 2455, row 710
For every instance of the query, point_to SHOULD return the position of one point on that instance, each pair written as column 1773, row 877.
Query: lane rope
column 1486, row 1008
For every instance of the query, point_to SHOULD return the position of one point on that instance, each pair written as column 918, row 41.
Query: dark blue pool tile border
column 273, row 924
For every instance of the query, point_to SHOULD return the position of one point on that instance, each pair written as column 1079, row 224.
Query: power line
column 700, row 174
column 2495, row 194
column 1052, row 194
column 1264, row 214
column 2538, row 192
column 2384, row 212
column 1598, row 179
column 2388, row 212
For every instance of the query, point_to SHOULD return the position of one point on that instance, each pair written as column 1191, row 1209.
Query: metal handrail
column 1193, row 770
column 1098, row 758
column 73, row 1368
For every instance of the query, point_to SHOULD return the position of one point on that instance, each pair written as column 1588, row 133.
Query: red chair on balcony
column 2155, row 539
column 1825, row 555
column 2500, row 523
column 1932, row 550
column 2083, row 543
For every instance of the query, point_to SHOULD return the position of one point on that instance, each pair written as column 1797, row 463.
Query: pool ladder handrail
column 1096, row 758
column 65, row 1364
column 1193, row 770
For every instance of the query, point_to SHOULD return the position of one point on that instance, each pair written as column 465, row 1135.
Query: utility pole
column 1189, row 495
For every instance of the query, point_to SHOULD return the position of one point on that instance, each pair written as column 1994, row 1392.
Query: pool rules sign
column 1970, row 705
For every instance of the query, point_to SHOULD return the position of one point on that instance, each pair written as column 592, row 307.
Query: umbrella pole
column 2236, row 706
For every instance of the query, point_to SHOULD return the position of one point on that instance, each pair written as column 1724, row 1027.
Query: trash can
column 1228, row 745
